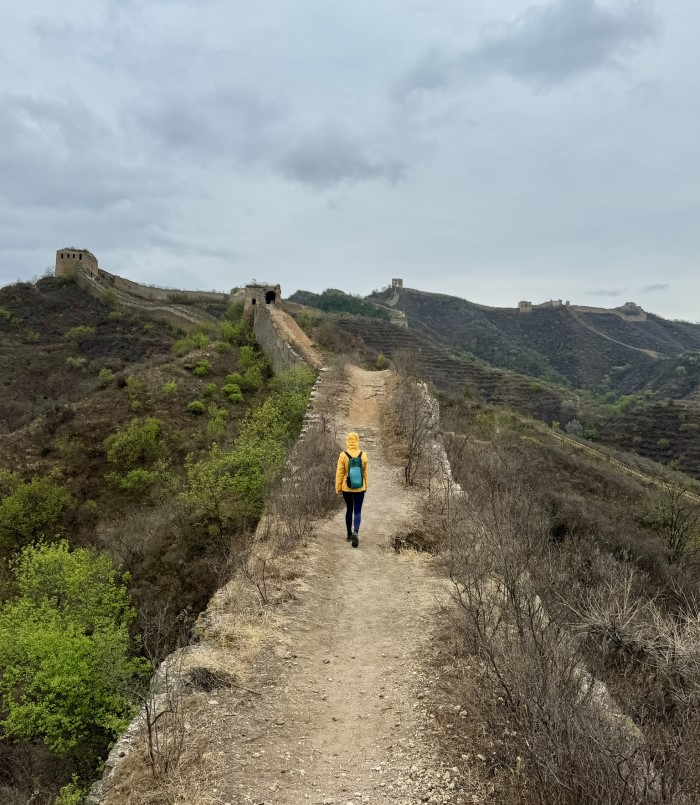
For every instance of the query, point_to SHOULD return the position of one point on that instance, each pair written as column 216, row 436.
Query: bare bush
column 307, row 490
column 676, row 520
column 411, row 416
column 164, row 717
column 580, row 749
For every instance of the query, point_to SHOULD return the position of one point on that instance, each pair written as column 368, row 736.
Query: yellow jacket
column 341, row 473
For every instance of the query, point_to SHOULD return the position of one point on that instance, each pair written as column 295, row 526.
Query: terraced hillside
column 661, row 430
column 461, row 374
column 585, row 350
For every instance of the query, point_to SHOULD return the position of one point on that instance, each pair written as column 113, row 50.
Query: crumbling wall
column 167, row 295
column 278, row 350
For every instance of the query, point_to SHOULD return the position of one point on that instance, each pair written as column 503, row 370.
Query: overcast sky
column 497, row 150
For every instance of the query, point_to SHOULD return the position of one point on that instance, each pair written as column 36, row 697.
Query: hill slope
column 592, row 351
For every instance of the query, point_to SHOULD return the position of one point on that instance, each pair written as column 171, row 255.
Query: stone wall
column 278, row 350
column 167, row 295
column 180, row 316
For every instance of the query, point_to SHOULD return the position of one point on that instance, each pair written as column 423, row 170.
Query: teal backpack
column 355, row 479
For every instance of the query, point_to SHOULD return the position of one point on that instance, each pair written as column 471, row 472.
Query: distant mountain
column 607, row 375
column 334, row 301
column 597, row 351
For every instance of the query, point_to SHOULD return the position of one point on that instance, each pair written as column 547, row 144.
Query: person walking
column 351, row 480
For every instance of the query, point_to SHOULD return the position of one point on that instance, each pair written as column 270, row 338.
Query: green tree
column 138, row 454
column 140, row 444
column 64, row 651
column 30, row 510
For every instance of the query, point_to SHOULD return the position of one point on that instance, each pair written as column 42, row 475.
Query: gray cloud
column 225, row 122
column 607, row 292
column 329, row 157
column 544, row 46
column 658, row 286
column 60, row 153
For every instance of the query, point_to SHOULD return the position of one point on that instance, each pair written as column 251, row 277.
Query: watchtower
column 260, row 295
column 525, row 307
column 396, row 284
column 70, row 259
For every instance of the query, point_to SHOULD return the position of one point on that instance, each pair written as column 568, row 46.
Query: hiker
column 351, row 480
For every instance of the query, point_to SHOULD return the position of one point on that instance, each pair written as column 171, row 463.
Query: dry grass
column 540, row 605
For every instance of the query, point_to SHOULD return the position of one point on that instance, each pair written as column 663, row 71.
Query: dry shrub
column 410, row 417
column 580, row 748
column 307, row 490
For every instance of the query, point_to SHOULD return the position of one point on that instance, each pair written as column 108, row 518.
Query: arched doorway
column 270, row 297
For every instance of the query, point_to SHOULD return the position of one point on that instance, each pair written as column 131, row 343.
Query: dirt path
column 293, row 333
column 341, row 716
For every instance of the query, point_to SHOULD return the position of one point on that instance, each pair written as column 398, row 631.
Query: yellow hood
column 353, row 444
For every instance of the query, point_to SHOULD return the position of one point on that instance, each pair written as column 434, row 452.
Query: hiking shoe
column 349, row 537
column 355, row 539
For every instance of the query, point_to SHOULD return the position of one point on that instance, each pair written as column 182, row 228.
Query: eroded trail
column 340, row 717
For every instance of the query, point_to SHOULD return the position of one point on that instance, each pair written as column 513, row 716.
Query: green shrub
column 382, row 362
column 30, row 510
column 76, row 362
column 235, row 377
column 234, row 312
column 109, row 298
column 223, row 346
column 106, row 375
column 216, row 426
column 191, row 342
column 69, row 448
column 232, row 333
column 134, row 385
column 141, row 444
column 297, row 380
column 210, row 389
column 536, row 387
column 64, row 651
column 304, row 321
column 139, row 480
column 663, row 443
column 248, row 357
column 253, row 378
column 77, row 335
column 202, row 368
column 32, row 337
column 169, row 387
column 196, row 407
column 9, row 317
column 228, row 488
column 233, row 392
column 72, row 794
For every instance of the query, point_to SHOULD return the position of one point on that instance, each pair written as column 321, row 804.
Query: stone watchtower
column 70, row 259
column 260, row 295
column 525, row 307
column 396, row 284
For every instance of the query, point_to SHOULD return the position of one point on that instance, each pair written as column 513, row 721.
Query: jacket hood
column 353, row 442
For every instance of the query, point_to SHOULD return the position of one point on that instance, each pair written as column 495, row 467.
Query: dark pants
column 353, row 504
